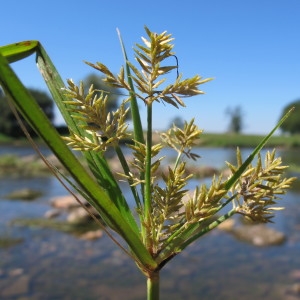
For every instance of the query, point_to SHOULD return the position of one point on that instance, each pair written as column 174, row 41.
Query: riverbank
column 251, row 141
column 18, row 159
column 210, row 140
column 30, row 166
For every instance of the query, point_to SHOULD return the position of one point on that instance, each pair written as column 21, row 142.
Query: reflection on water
column 54, row 265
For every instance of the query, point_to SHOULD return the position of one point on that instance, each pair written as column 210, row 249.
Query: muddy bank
column 31, row 166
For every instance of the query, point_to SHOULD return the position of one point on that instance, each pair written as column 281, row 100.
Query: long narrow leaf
column 138, row 129
column 64, row 179
column 136, row 118
column 37, row 119
column 17, row 51
column 97, row 163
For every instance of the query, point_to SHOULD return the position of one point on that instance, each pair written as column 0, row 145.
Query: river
column 49, row 265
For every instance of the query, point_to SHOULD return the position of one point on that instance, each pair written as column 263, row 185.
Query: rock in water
column 80, row 215
column 24, row 194
column 67, row 202
column 259, row 235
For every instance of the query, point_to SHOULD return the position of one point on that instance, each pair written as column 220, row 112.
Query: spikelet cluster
column 260, row 187
column 102, row 128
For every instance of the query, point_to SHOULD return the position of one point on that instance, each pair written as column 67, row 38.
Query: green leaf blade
column 18, row 51
column 97, row 163
column 37, row 119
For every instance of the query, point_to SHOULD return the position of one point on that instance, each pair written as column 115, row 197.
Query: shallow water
column 53, row 265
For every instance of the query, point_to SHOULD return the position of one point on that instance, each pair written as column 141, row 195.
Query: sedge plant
column 166, row 217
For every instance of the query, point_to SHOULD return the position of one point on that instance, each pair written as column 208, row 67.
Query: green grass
column 4, row 138
column 241, row 140
column 7, row 140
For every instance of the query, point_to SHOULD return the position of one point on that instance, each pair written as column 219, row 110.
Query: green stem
column 177, row 160
column 153, row 286
column 126, row 169
column 147, row 196
column 135, row 112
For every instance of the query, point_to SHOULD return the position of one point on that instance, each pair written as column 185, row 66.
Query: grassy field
column 4, row 139
column 234, row 140
column 241, row 140
column 217, row 140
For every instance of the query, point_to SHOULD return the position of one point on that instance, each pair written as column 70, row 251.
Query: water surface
column 53, row 265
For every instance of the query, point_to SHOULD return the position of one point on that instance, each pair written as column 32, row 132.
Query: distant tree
column 177, row 121
column 292, row 123
column 236, row 119
column 8, row 123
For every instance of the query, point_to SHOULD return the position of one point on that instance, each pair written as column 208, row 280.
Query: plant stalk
column 126, row 169
column 153, row 286
column 147, row 196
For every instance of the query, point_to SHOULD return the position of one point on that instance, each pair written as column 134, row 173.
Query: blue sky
column 250, row 48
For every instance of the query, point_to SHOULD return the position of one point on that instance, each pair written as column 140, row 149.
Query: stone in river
column 259, row 235
column 24, row 194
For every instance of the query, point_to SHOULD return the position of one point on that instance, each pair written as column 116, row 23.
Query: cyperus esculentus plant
column 169, row 217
